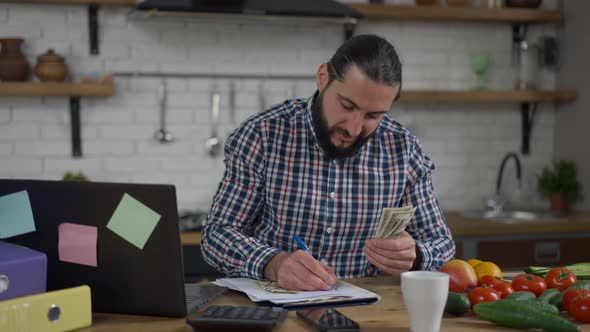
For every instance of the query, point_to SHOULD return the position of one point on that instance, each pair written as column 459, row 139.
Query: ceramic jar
column 51, row 67
column 13, row 64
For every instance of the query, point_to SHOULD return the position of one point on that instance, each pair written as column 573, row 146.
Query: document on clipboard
column 343, row 294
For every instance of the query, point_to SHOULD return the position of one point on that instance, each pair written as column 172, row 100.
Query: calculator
column 238, row 318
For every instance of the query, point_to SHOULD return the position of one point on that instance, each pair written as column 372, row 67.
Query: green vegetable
column 581, row 270
column 521, row 296
column 558, row 300
column 546, row 307
column 548, row 295
column 458, row 304
column 522, row 315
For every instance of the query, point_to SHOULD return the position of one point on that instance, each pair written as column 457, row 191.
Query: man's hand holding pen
column 300, row 270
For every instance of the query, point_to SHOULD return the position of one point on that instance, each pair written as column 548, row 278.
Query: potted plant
column 75, row 177
column 560, row 184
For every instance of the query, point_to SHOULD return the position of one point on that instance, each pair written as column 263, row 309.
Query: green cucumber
column 458, row 304
column 548, row 295
column 543, row 306
column 522, row 315
column 581, row 270
column 521, row 296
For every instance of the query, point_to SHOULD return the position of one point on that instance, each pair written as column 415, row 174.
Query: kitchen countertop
column 465, row 227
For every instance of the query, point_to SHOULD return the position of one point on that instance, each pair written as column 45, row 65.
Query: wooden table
column 387, row 315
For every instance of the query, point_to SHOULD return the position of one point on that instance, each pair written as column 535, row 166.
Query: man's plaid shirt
column 278, row 183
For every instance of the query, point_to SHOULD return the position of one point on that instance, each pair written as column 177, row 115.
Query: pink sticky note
column 77, row 244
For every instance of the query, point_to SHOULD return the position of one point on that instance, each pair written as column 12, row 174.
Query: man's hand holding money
column 392, row 255
column 393, row 250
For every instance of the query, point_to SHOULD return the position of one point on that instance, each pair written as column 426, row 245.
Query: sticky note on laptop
column 133, row 221
column 77, row 244
column 16, row 215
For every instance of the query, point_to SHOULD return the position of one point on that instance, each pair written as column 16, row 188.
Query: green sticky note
column 133, row 221
column 16, row 215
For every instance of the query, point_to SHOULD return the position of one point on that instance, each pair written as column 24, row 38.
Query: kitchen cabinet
column 521, row 244
column 195, row 267
column 549, row 250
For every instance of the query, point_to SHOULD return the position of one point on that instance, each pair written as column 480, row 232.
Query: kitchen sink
column 515, row 216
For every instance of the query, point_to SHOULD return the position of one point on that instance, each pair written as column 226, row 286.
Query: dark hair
column 372, row 55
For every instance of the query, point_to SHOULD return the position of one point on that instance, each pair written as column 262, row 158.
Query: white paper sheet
column 257, row 294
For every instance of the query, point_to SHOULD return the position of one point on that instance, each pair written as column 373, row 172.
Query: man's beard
column 323, row 133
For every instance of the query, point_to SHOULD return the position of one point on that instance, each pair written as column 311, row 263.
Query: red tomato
column 529, row 282
column 503, row 288
column 560, row 278
column 572, row 294
column 482, row 294
column 580, row 308
column 488, row 280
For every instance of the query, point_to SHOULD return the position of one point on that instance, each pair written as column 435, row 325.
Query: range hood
column 293, row 8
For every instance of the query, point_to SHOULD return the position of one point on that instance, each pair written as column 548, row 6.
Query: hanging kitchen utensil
column 261, row 96
column 163, row 135
column 232, row 102
column 213, row 143
column 293, row 91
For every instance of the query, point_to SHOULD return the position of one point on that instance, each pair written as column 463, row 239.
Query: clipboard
column 57, row 311
column 328, row 303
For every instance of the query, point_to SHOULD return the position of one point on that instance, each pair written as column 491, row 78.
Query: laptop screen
column 138, row 254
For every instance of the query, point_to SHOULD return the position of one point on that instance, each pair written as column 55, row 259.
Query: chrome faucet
column 498, row 202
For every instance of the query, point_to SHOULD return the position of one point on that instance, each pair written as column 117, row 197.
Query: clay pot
column 558, row 204
column 51, row 67
column 13, row 64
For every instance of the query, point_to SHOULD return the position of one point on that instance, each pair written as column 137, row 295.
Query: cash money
column 273, row 287
column 394, row 221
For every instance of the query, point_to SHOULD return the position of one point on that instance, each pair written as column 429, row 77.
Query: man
column 324, row 168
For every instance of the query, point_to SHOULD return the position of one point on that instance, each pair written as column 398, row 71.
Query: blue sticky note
column 16, row 215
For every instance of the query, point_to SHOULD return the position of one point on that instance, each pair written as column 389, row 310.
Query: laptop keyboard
column 199, row 295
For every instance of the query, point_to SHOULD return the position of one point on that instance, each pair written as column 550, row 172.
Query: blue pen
column 305, row 248
column 302, row 244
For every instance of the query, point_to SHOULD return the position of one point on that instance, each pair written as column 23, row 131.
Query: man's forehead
column 364, row 92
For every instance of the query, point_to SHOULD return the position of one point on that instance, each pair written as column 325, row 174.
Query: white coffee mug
column 425, row 296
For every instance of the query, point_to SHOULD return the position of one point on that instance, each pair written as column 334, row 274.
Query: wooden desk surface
column 387, row 315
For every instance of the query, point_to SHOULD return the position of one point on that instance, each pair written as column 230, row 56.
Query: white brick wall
column 467, row 142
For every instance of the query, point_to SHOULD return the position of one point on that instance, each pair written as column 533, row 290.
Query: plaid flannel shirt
column 278, row 183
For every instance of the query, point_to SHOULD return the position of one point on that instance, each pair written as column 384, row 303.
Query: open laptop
column 127, row 279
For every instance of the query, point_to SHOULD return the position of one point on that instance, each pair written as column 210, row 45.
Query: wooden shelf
column 514, row 15
column 56, row 89
column 72, row 90
column 77, row 2
column 488, row 96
